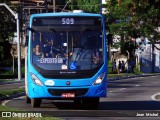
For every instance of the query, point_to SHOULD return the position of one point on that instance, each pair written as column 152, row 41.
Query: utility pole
column 100, row 7
column 54, row 4
column 16, row 15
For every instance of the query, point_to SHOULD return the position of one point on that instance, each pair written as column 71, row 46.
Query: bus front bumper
column 59, row 92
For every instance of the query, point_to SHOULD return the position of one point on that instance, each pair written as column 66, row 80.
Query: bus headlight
column 99, row 79
column 36, row 80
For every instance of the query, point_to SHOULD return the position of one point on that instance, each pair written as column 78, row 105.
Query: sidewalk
column 134, row 76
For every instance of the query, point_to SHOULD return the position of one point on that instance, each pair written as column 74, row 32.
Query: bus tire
column 28, row 100
column 36, row 102
column 91, row 103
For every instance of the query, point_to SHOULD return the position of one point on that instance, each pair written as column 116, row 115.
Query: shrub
column 137, row 69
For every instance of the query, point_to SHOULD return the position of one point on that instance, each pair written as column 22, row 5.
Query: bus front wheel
column 28, row 100
column 36, row 102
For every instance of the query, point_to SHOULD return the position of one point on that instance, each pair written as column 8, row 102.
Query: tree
column 7, row 23
column 7, row 28
column 148, row 19
column 86, row 5
column 134, row 18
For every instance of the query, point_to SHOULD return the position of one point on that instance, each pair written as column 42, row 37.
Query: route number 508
column 67, row 21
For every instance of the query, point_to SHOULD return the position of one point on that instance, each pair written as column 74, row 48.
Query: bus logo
column 68, row 83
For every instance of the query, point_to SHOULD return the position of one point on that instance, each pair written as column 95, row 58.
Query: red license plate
column 68, row 95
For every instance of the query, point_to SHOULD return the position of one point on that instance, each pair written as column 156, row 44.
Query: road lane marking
column 110, row 91
column 138, row 85
column 6, row 101
column 122, row 89
column 153, row 97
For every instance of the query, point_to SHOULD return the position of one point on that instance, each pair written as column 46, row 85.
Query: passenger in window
column 37, row 50
column 37, row 54
column 96, row 57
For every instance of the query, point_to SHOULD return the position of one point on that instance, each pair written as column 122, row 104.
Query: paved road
column 126, row 97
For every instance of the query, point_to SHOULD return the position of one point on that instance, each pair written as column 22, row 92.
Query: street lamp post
column 100, row 6
column 16, row 15
column 54, row 5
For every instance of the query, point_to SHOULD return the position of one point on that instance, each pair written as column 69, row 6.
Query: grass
column 120, row 75
column 4, row 108
column 4, row 93
column 6, row 80
column 8, row 109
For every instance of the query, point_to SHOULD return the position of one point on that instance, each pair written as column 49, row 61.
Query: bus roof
column 65, row 14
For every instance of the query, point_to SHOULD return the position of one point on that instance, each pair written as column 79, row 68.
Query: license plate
column 68, row 95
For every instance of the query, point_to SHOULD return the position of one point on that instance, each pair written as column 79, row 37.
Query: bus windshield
column 78, row 47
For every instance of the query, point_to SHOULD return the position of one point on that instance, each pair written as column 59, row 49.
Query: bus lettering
column 67, row 21
column 51, row 60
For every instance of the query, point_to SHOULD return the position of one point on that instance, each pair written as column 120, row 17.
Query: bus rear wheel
column 36, row 102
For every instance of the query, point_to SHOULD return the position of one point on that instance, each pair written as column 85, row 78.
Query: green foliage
column 7, row 29
column 129, row 46
column 7, row 20
column 10, row 92
column 1, row 53
column 119, row 17
column 4, row 51
column 134, row 18
column 8, row 72
column 121, row 75
column 109, row 66
column 23, row 70
column 137, row 69
column 86, row 5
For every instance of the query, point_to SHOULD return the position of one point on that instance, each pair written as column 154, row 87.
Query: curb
column 8, row 97
column 134, row 76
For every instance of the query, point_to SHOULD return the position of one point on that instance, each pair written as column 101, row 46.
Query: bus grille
column 58, row 92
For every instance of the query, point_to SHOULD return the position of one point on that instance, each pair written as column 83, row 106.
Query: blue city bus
column 66, row 58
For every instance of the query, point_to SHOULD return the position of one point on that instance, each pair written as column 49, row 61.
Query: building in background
column 147, row 55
